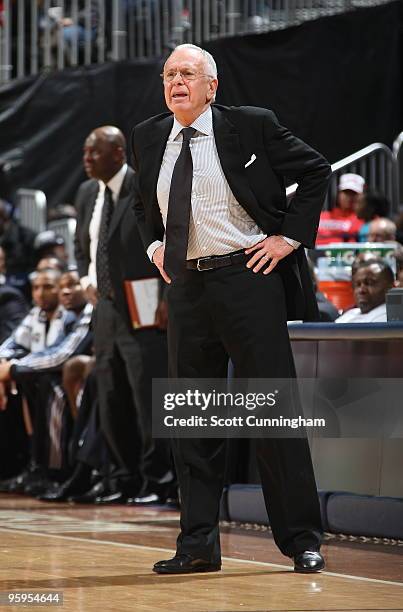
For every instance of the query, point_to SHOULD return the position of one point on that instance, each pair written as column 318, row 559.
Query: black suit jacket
column 128, row 261
column 239, row 133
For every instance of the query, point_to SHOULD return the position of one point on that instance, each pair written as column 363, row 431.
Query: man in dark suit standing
column 211, row 208
column 108, row 252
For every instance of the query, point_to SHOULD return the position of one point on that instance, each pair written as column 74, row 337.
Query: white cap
column 353, row 182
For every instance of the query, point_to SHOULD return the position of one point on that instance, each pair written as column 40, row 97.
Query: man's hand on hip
column 158, row 260
column 268, row 251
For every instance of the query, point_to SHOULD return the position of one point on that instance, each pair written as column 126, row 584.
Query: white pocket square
column 252, row 159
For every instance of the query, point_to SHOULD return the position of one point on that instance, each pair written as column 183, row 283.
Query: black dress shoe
column 308, row 562
column 38, row 487
column 63, row 492
column 185, row 564
column 18, row 483
column 99, row 489
column 78, row 484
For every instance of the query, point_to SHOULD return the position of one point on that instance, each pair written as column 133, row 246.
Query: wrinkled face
column 45, row 291
column 370, row 286
column 192, row 89
column 102, row 159
column 70, row 291
column 347, row 199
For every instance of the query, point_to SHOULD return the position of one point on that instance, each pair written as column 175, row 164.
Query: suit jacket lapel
column 153, row 153
column 232, row 161
column 123, row 201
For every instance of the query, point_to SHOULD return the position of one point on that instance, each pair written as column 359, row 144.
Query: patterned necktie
column 102, row 259
column 179, row 204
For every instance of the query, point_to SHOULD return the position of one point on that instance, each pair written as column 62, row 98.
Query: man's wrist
column 152, row 248
column 294, row 243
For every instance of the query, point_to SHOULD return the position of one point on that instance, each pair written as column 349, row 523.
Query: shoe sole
column 309, row 571
column 196, row 570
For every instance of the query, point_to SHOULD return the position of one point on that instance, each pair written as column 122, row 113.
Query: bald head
column 104, row 153
column 381, row 230
column 110, row 134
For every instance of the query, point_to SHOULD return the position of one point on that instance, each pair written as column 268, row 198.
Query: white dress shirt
column 218, row 224
column 115, row 185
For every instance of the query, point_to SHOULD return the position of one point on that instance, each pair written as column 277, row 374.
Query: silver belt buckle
column 198, row 264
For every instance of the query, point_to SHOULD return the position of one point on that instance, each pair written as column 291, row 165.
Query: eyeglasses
column 186, row 75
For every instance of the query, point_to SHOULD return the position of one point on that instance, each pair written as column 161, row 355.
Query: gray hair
column 208, row 58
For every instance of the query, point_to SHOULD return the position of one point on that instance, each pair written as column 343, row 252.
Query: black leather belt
column 216, row 261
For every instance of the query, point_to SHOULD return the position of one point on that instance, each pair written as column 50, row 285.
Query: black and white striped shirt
column 35, row 332
column 65, row 346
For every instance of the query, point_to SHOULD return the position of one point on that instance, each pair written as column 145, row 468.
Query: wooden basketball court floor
column 100, row 558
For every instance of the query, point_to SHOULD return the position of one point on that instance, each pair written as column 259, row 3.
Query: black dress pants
column 126, row 362
column 233, row 312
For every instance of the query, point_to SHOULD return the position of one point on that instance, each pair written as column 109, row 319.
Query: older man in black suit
column 109, row 252
column 212, row 211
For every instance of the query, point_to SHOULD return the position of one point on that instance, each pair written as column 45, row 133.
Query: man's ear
column 213, row 84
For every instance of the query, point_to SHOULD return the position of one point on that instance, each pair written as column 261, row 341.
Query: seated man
column 78, row 341
column 45, row 395
column 341, row 224
column 371, row 281
column 44, row 322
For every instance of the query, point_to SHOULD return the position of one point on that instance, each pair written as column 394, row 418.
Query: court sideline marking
column 167, row 550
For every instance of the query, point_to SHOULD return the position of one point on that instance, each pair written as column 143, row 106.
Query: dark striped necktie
column 179, row 205
column 104, row 282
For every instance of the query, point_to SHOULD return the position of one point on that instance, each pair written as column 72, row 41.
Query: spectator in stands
column 360, row 258
column 77, row 29
column 17, row 242
column 51, row 358
column 46, row 323
column 49, row 244
column 382, row 230
column 40, row 373
column 371, row 281
column 13, row 306
column 341, row 224
column 370, row 205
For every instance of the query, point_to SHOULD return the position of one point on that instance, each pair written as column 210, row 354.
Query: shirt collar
column 58, row 314
column 115, row 183
column 203, row 124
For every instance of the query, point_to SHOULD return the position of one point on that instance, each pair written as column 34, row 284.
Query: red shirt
column 337, row 225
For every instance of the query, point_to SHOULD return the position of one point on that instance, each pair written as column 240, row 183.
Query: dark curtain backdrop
column 336, row 82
